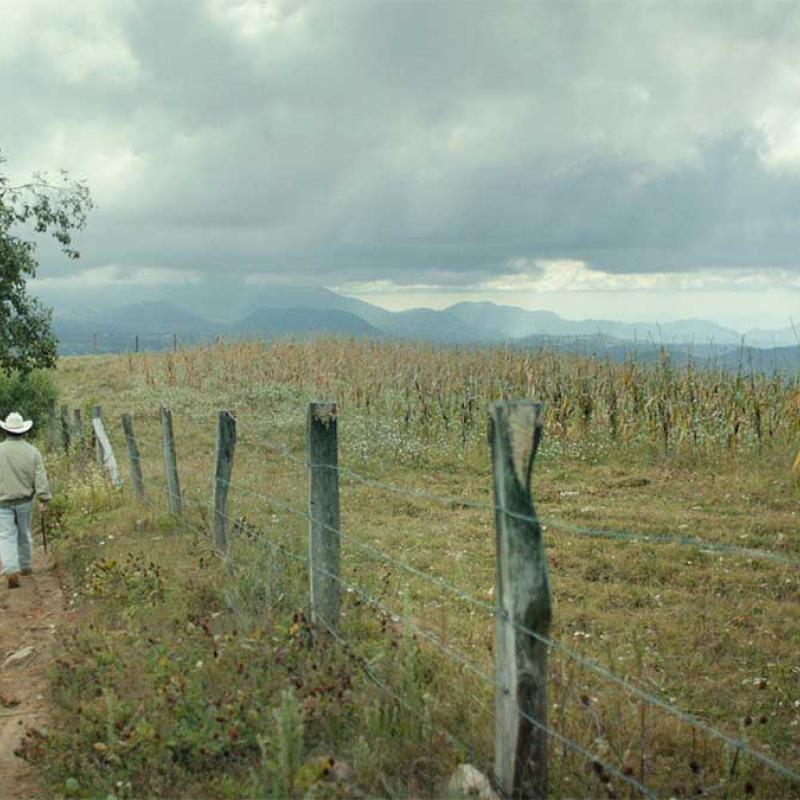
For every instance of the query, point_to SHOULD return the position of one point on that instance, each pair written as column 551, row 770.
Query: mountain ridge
column 153, row 323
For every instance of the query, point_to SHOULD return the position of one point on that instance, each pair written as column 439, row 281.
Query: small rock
column 467, row 781
column 18, row 655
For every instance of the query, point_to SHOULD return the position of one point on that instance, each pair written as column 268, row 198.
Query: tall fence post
column 66, row 434
column 323, row 508
column 106, row 450
column 171, row 463
column 523, row 597
column 97, row 413
column 53, row 432
column 223, row 468
column 80, row 440
column 77, row 426
column 134, row 455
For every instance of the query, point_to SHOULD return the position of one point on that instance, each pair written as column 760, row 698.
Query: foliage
column 42, row 205
column 29, row 393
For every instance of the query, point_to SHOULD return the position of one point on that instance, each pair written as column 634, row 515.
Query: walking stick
column 43, row 519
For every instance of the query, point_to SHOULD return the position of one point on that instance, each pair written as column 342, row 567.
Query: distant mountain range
column 305, row 312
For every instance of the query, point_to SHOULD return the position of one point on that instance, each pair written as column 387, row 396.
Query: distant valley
column 276, row 312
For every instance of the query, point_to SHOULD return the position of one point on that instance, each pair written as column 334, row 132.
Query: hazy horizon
column 395, row 302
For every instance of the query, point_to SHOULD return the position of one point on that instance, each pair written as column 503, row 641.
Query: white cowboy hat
column 14, row 423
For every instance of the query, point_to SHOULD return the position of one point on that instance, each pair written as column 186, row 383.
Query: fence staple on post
column 323, row 507
column 523, row 597
column 223, row 469
column 106, row 451
column 134, row 455
column 171, row 463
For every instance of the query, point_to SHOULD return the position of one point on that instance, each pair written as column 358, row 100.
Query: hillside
column 516, row 323
column 303, row 322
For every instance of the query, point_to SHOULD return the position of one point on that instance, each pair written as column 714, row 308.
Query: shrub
column 30, row 394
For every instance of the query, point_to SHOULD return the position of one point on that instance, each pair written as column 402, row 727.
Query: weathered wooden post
column 171, row 463
column 137, row 343
column 323, row 509
column 53, row 432
column 106, row 451
column 174, row 342
column 97, row 413
column 134, row 455
column 523, row 597
column 223, row 468
column 66, row 436
column 80, row 441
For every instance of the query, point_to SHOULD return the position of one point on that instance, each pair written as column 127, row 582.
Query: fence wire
column 452, row 654
column 738, row 745
column 590, row 664
column 461, row 502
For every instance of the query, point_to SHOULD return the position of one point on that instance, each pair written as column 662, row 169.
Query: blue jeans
column 16, row 537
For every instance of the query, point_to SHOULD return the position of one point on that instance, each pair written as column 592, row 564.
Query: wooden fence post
column 106, row 451
column 223, row 468
column 134, row 455
column 523, row 597
column 323, row 508
column 53, row 432
column 97, row 413
column 66, row 436
column 171, row 463
column 80, row 441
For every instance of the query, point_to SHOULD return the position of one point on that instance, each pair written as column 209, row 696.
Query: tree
column 40, row 206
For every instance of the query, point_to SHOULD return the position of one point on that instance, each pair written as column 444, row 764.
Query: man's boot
column 13, row 581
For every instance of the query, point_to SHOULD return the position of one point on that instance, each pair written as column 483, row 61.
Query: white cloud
column 567, row 275
column 542, row 276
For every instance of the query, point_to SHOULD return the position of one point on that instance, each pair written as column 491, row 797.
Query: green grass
column 716, row 634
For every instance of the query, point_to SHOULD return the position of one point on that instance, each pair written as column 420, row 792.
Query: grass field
column 185, row 677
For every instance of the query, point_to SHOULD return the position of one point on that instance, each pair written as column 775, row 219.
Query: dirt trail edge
column 29, row 619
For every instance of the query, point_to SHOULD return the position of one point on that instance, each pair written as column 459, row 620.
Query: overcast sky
column 633, row 160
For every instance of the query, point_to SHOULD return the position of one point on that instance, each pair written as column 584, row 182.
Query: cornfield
column 442, row 393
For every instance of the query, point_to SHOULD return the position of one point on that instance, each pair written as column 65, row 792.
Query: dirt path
column 29, row 618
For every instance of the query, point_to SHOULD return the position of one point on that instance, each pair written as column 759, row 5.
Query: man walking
column 22, row 478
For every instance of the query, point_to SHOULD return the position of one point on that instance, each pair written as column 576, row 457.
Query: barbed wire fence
column 521, row 610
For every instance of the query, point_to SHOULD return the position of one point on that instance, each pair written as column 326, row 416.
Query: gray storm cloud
column 428, row 143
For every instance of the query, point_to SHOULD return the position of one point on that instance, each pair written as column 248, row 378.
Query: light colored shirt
column 22, row 472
